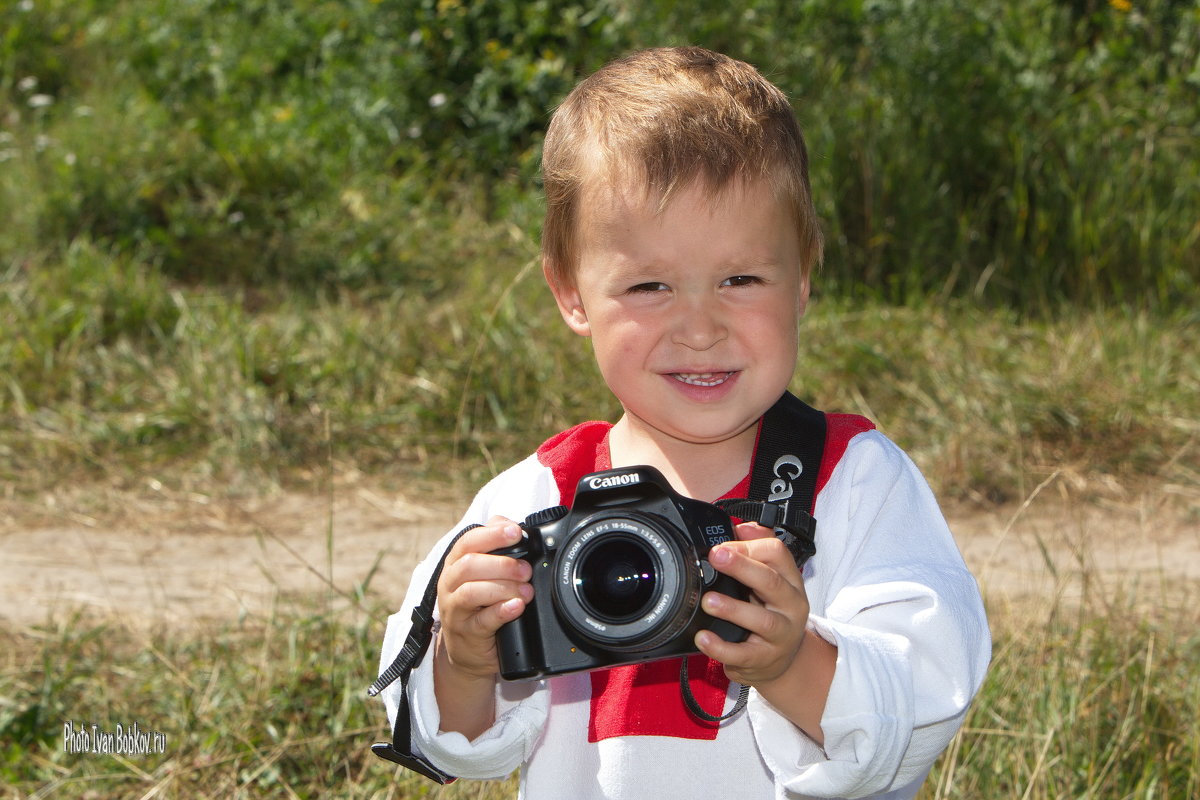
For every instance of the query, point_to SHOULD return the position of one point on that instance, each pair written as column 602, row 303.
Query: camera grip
column 517, row 659
column 728, row 631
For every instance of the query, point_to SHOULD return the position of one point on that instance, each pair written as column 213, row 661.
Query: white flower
column 438, row 100
column 40, row 100
column 28, row 83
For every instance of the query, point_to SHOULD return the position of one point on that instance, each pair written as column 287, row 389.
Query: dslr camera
column 617, row 577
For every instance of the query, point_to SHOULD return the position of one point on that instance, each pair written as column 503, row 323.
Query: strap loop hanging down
column 693, row 705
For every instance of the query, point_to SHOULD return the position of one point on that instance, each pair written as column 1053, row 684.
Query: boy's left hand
column 776, row 615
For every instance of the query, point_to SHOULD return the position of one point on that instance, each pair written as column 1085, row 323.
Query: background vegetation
column 243, row 242
column 229, row 224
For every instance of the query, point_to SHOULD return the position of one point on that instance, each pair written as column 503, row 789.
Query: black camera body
column 617, row 578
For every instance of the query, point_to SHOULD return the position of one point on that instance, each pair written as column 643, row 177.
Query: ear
column 570, row 303
column 802, row 300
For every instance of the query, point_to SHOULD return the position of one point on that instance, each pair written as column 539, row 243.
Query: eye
column 648, row 288
column 742, row 280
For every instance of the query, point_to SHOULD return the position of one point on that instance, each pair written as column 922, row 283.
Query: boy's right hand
column 477, row 593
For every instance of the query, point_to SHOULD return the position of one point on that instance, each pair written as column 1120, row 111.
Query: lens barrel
column 627, row 582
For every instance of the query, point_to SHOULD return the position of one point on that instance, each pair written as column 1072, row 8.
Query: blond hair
column 670, row 116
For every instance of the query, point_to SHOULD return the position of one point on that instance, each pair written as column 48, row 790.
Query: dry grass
column 1090, row 706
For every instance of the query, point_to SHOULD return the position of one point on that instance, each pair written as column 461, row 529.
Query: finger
column 763, row 622
column 472, row 557
column 763, row 566
column 713, row 646
column 768, row 549
column 747, row 657
column 485, row 567
column 475, row 595
column 499, row 532
column 490, row 619
column 477, row 610
column 752, row 530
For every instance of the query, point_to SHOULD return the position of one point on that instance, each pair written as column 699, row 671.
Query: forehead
column 612, row 205
column 742, row 223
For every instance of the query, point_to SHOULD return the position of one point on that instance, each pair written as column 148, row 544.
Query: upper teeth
column 702, row 378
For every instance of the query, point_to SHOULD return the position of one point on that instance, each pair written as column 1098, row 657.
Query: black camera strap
column 783, row 485
column 783, row 476
column 420, row 635
column 783, row 481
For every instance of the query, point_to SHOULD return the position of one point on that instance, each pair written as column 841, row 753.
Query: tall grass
column 112, row 371
column 1094, row 707
column 1088, row 707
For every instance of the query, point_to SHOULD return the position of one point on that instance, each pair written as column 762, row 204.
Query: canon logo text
column 611, row 481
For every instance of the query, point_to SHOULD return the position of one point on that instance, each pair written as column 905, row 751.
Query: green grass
column 1082, row 706
column 1024, row 154
column 112, row 371
column 1096, row 707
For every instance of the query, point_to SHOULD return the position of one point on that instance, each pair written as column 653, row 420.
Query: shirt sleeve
column 521, row 708
column 889, row 588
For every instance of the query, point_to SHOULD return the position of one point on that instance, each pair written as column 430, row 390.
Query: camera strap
column 783, row 480
column 783, row 488
column 783, row 476
column 420, row 635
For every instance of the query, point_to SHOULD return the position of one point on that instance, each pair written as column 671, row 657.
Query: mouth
column 704, row 379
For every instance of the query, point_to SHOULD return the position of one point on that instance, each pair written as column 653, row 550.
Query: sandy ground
column 153, row 559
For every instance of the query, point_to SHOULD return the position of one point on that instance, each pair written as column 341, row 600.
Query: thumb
column 752, row 530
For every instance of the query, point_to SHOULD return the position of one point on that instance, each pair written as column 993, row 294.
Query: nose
column 699, row 323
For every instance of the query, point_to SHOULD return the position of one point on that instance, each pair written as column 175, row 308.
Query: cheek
column 778, row 324
column 618, row 335
column 776, row 335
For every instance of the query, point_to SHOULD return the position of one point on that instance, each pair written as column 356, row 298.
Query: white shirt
column 887, row 586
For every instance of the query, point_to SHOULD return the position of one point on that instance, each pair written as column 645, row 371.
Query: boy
column 680, row 237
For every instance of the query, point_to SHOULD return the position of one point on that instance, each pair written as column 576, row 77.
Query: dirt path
column 186, row 559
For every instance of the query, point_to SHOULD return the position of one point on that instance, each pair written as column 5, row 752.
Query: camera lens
column 617, row 579
column 625, row 582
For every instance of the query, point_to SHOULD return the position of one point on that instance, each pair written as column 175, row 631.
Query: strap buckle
column 771, row 515
column 388, row 752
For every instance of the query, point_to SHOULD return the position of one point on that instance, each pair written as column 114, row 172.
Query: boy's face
column 692, row 311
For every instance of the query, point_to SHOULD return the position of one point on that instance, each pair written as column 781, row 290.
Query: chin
column 713, row 435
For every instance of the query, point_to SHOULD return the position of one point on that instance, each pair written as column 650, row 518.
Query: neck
column 704, row 471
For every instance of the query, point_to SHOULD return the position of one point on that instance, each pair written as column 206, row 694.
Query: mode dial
column 545, row 516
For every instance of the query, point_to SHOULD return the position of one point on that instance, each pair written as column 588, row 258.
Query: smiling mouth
column 707, row 379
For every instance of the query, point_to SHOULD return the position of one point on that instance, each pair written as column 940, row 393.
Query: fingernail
column 512, row 607
column 512, row 532
column 720, row 556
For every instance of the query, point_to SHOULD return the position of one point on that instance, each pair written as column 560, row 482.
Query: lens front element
column 616, row 578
